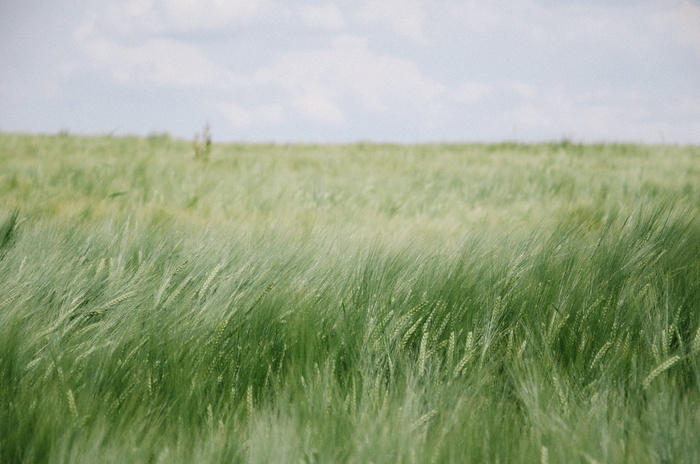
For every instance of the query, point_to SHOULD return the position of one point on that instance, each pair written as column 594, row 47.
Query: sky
column 403, row 71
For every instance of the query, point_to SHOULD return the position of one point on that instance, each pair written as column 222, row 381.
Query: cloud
column 472, row 92
column 348, row 71
column 549, row 68
column 199, row 15
column 317, row 106
column 608, row 115
column 479, row 92
column 158, row 61
column 142, row 18
column 554, row 25
column 404, row 17
column 317, row 84
column 681, row 23
column 324, row 16
column 243, row 117
column 189, row 15
column 473, row 16
column 519, row 88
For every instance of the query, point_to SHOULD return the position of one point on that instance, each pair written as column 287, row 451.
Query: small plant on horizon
column 202, row 143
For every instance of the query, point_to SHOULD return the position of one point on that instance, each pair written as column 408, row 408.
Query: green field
column 349, row 303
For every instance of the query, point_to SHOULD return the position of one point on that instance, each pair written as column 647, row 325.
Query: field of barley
column 348, row 303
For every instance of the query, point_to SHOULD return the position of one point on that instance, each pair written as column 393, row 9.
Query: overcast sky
column 359, row 70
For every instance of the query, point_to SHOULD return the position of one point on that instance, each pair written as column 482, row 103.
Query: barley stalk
column 422, row 352
column 21, row 266
column 76, row 302
column 599, row 355
column 85, row 354
column 497, row 307
column 208, row 281
column 623, row 345
column 695, row 344
column 655, row 353
column 659, row 369
column 560, row 393
column 424, row 419
column 119, row 299
column 403, row 320
column 468, row 353
column 450, row 348
column 149, row 384
column 261, row 296
column 100, row 266
column 177, row 291
column 210, row 415
column 440, row 329
column 59, row 372
column 34, row 362
column 249, row 401
column 380, row 329
column 371, row 323
column 582, row 343
column 353, row 399
column 521, row 350
column 557, row 323
column 180, row 267
column 131, row 353
column 13, row 296
column 71, row 404
column 167, row 281
column 590, row 459
column 672, row 330
column 410, row 332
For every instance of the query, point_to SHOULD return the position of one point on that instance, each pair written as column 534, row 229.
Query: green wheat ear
column 695, row 344
column 212, row 275
column 119, row 299
column 659, row 369
column 8, row 231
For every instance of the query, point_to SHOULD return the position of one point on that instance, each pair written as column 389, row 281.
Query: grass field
column 361, row 303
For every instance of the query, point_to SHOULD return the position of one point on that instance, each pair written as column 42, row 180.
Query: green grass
column 360, row 303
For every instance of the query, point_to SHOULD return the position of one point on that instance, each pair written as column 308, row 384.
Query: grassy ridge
column 348, row 303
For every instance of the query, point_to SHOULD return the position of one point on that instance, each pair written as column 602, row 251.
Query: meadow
column 348, row 303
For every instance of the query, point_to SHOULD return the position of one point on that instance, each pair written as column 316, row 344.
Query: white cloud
column 555, row 25
column 240, row 117
column 474, row 16
column 404, row 17
column 682, row 23
column 134, row 17
column 598, row 26
column 473, row 92
column 607, row 115
column 532, row 116
column 211, row 14
column 576, row 68
column 324, row 16
column 316, row 106
column 626, row 96
column 347, row 69
column 519, row 88
column 478, row 92
column 158, row 61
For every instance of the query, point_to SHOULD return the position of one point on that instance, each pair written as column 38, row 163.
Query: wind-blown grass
column 348, row 304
